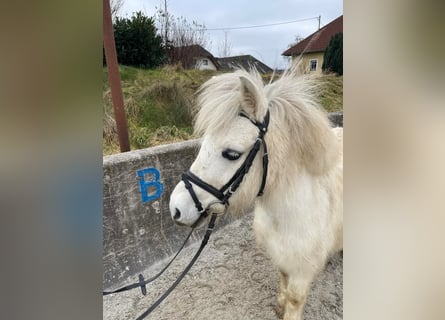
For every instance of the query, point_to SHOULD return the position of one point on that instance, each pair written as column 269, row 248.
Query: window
column 313, row 65
column 205, row 62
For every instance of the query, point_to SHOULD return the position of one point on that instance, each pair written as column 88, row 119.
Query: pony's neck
column 283, row 189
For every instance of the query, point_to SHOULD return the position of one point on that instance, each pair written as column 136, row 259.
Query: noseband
column 225, row 192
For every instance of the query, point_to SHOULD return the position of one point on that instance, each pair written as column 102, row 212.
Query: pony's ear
column 249, row 95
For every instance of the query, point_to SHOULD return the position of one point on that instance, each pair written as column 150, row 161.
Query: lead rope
column 186, row 270
column 142, row 282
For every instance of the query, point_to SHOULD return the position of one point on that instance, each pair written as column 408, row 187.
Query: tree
column 178, row 32
column 297, row 39
column 137, row 42
column 183, row 33
column 333, row 56
column 225, row 47
column 115, row 6
column 162, row 19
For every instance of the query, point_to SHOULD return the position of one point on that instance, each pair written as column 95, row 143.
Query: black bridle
column 224, row 193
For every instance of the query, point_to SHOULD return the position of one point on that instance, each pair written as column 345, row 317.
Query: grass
column 331, row 92
column 158, row 104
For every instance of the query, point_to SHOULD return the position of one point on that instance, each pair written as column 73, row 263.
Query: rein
column 142, row 283
column 186, row 270
column 223, row 195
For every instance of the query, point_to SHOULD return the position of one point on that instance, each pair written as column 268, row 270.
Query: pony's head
column 228, row 138
column 229, row 106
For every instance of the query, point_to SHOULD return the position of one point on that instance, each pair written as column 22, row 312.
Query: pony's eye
column 231, row 154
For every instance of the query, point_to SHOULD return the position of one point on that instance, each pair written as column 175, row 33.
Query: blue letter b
column 152, row 189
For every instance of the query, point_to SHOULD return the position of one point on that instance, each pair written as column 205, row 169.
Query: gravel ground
column 232, row 280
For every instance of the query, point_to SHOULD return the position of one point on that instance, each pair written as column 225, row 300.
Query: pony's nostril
column 177, row 214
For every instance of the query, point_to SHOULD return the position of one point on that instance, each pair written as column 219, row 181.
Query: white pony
column 298, row 220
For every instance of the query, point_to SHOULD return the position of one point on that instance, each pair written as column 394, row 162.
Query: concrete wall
column 137, row 228
column 336, row 119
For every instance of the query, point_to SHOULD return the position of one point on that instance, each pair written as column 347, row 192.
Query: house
column 244, row 62
column 194, row 57
column 311, row 49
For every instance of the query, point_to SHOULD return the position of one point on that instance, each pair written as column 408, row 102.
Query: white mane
column 297, row 122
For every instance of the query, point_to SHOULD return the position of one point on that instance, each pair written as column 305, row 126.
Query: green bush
column 137, row 43
column 333, row 56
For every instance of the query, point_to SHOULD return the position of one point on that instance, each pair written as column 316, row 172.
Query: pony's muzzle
column 177, row 218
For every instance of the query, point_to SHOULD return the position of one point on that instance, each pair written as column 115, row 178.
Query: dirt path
column 232, row 280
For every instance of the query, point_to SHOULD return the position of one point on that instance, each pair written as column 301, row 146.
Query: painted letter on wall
column 152, row 188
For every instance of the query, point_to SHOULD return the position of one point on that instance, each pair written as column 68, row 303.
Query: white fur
column 298, row 220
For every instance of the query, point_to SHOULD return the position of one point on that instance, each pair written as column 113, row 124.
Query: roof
column 318, row 41
column 245, row 62
column 187, row 55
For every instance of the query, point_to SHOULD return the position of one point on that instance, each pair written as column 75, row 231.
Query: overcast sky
column 264, row 43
